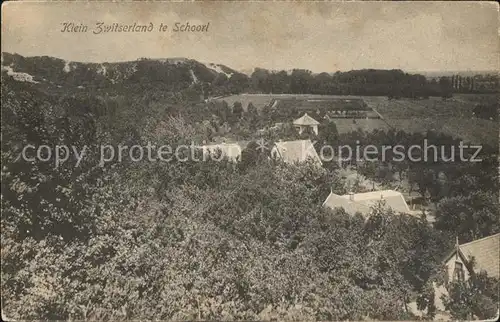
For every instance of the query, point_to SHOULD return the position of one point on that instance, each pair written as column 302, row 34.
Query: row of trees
column 304, row 82
column 392, row 83
column 477, row 84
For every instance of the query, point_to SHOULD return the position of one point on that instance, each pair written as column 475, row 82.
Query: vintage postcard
column 253, row 161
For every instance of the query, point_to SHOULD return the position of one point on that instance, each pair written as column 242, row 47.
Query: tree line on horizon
column 393, row 83
column 137, row 76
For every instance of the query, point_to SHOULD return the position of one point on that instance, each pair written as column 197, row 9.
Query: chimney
column 351, row 196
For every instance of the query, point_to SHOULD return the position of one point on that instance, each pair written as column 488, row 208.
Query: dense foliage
column 197, row 240
column 475, row 298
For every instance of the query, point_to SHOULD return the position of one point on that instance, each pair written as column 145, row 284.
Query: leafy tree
column 261, row 80
column 446, row 87
column 220, row 80
column 300, row 81
column 328, row 132
column 266, row 112
column 469, row 217
column 252, row 117
column 253, row 154
column 224, row 111
column 237, row 110
column 252, row 110
column 475, row 298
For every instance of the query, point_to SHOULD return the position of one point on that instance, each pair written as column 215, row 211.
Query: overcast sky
column 414, row 36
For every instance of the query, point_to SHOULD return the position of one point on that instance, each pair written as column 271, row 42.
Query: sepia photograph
column 250, row 161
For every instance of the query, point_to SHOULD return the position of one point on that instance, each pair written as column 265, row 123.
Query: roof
column 231, row 150
column 305, row 120
column 336, row 201
column 485, row 252
column 363, row 202
column 296, row 151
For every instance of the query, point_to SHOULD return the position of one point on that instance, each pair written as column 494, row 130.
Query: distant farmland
column 458, row 106
column 453, row 116
column 368, row 125
column 476, row 131
column 261, row 100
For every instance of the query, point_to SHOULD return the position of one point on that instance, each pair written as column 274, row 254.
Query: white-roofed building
column 363, row 202
column 232, row 151
column 295, row 151
column 306, row 122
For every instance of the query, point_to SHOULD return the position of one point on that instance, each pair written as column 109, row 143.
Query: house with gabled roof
column 306, row 122
column 363, row 202
column 295, row 151
column 485, row 255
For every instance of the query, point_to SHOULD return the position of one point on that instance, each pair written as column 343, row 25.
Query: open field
column 453, row 116
column 470, row 130
column 261, row 100
column 460, row 105
column 368, row 125
column 457, row 106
